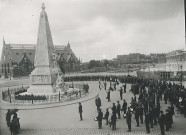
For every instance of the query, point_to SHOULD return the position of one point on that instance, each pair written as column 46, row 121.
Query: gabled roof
column 23, row 46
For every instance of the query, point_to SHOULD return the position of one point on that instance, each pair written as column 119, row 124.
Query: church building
column 18, row 59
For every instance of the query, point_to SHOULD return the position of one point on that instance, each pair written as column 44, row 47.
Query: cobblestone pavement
column 88, row 131
column 64, row 120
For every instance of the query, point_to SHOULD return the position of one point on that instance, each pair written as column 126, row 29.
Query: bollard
column 59, row 95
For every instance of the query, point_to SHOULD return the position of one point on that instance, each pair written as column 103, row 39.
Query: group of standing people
column 144, row 105
column 13, row 124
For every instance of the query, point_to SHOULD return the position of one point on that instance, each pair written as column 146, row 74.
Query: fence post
column 9, row 95
column 59, row 95
column 32, row 98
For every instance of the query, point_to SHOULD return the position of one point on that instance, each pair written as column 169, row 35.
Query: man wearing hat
column 124, row 106
column 118, row 109
column 80, row 111
column 128, row 119
column 162, row 122
column 99, row 118
column 98, row 102
column 106, row 116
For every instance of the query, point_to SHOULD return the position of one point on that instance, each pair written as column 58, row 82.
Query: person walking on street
column 108, row 95
column 124, row 87
column 141, row 113
column 114, row 110
column 137, row 114
column 99, row 118
column 113, row 121
column 13, row 127
column 118, row 109
column 98, row 102
column 128, row 119
column 124, row 106
column 147, row 121
column 8, row 118
column 105, row 85
column 80, row 111
column 121, row 93
column 162, row 122
column 106, row 116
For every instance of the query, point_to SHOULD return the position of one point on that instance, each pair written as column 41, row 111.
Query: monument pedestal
column 45, row 89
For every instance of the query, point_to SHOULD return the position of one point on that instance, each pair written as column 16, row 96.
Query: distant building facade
column 18, row 59
column 176, row 61
column 132, row 58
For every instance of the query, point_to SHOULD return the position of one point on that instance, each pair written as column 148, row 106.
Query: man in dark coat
column 162, row 122
column 113, row 121
column 128, row 119
column 124, row 106
column 108, row 95
column 172, row 113
column 114, row 109
column 118, row 109
column 98, row 103
column 8, row 118
column 151, row 116
column 147, row 121
column 141, row 113
column 167, row 119
column 107, row 116
column 80, row 111
column 99, row 118
column 137, row 114
column 124, row 87
column 121, row 93
column 105, row 85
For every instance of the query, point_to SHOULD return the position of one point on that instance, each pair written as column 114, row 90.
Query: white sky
column 98, row 29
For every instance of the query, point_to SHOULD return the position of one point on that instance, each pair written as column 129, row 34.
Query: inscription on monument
column 41, row 79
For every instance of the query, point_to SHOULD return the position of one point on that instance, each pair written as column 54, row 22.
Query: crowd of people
column 144, row 105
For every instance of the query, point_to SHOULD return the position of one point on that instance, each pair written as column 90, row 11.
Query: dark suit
column 98, row 103
column 137, row 114
column 118, row 110
column 80, row 112
column 128, row 120
column 124, row 107
column 162, row 123
column 147, row 121
column 99, row 118
column 113, row 121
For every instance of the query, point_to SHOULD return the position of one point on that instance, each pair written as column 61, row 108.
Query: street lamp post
column 10, row 66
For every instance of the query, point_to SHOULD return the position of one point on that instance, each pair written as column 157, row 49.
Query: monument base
column 45, row 89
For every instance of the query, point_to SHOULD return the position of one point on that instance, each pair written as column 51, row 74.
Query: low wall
column 8, row 94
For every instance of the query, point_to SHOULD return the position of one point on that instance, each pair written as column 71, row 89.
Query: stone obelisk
column 42, row 77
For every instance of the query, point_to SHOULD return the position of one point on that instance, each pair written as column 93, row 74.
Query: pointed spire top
column 68, row 45
column 3, row 41
column 43, row 6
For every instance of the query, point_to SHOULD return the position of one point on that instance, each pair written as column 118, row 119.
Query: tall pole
column 185, row 15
